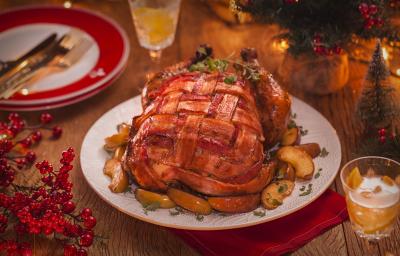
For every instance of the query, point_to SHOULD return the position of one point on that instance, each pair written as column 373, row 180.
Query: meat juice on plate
column 373, row 203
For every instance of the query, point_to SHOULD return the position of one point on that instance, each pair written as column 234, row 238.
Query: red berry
column 382, row 132
column 68, row 207
column 86, row 240
column 70, row 250
column 26, row 143
column 337, row 49
column 86, row 212
column 369, row 23
column 30, row 157
column 372, row 9
column 317, row 39
column 48, row 231
column 57, row 131
column 14, row 117
column 90, row 222
column 382, row 139
column 46, row 118
column 36, row 136
column 379, row 22
column 319, row 49
column 81, row 252
column 363, row 8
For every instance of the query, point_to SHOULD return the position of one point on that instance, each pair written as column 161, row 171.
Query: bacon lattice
column 200, row 131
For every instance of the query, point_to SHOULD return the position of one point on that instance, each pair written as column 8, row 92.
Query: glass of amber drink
column 372, row 188
column 155, row 23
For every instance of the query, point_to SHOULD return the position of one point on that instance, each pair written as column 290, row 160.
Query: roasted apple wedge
column 313, row 149
column 274, row 194
column 235, row 204
column 189, row 202
column 119, row 178
column 291, row 137
column 147, row 197
column 301, row 161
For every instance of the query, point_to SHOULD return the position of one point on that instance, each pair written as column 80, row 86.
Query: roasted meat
column 207, row 130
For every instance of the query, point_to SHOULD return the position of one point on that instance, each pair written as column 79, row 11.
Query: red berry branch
column 370, row 14
column 46, row 208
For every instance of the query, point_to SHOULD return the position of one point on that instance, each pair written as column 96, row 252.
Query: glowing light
column 385, row 53
column 67, row 4
column 24, row 91
column 398, row 72
column 281, row 45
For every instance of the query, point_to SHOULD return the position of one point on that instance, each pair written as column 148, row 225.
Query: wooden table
column 125, row 235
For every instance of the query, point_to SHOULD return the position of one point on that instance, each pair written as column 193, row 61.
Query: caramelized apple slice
column 235, row 204
column 119, row 179
column 147, row 197
column 124, row 128
column 299, row 159
column 313, row 149
column 354, row 179
column 291, row 136
column 119, row 152
column 189, row 202
column 286, row 171
column 115, row 141
column 274, row 194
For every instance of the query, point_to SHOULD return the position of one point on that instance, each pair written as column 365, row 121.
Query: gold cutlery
column 65, row 53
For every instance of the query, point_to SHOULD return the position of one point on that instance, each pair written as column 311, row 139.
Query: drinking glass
column 155, row 23
column 372, row 188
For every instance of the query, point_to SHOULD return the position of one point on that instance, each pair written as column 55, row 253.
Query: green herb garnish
column 308, row 191
column 324, row 152
column 316, row 176
column 283, row 188
column 178, row 210
column 199, row 217
column 230, row 79
column 302, row 188
column 293, row 115
column 151, row 207
column 259, row 213
column 291, row 124
column 303, row 132
column 274, row 202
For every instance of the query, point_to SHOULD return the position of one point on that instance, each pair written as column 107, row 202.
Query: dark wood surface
column 124, row 235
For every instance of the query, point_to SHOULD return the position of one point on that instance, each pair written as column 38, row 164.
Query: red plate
column 110, row 40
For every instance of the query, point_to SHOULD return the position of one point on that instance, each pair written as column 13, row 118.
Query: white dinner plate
column 93, row 157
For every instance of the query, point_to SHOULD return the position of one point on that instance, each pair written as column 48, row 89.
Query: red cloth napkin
column 272, row 238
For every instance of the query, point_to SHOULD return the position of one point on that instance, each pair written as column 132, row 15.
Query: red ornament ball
column 382, row 132
column 382, row 139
